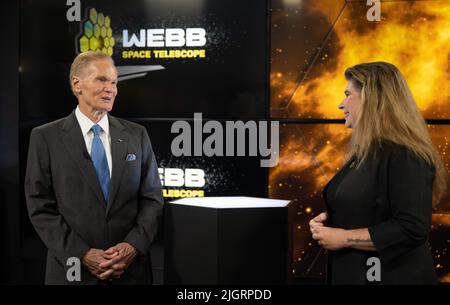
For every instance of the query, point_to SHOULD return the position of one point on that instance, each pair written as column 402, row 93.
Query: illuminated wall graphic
column 229, row 82
column 312, row 42
column 96, row 34
column 440, row 135
column 413, row 35
column 297, row 33
column 440, row 245
column 201, row 176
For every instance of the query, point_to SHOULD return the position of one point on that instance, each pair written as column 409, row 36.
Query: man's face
column 97, row 86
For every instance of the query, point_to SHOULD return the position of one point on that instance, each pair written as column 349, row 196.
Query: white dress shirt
column 86, row 125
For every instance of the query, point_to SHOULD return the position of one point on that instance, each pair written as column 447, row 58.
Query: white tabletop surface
column 232, row 202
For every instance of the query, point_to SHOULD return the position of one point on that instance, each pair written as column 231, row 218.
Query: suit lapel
column 119, row 148
column 74, row 142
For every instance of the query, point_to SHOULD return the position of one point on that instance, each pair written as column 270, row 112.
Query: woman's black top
column 391, row 195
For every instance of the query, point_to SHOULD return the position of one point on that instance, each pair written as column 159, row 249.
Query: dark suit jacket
column 66, row 205
column 391, row 195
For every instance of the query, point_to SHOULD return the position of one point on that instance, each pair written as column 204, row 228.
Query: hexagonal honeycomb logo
column 96, row 33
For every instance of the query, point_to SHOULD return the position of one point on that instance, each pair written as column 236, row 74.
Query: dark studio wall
column 9, row 144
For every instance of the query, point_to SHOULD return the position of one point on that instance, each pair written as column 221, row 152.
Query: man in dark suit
column 92, row 186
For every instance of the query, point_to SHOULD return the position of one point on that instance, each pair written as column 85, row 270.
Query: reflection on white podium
column 232, row 202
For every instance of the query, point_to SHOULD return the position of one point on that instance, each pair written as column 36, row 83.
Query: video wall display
column 440, row 231
column 202, row 176
column 310, row 155
column 313, row 42
column 221, row 59
column 174, row 57
column 440, row 136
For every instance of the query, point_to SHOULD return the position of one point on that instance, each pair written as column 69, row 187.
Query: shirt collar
column 86, row 124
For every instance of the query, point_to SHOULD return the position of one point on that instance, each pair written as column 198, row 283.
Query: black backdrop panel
column 230, row 81
column 224, row 176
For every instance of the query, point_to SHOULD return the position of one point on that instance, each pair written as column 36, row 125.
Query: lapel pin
column 119, row 140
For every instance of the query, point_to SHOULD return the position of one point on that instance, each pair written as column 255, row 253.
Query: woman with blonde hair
column 379, row 204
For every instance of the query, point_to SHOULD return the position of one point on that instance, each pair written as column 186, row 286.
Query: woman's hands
column 327, row 237
column 336, row 238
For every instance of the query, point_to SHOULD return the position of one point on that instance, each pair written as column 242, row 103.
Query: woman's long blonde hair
column 388, row 112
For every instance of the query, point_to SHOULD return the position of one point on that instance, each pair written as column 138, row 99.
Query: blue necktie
column 98, row 156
